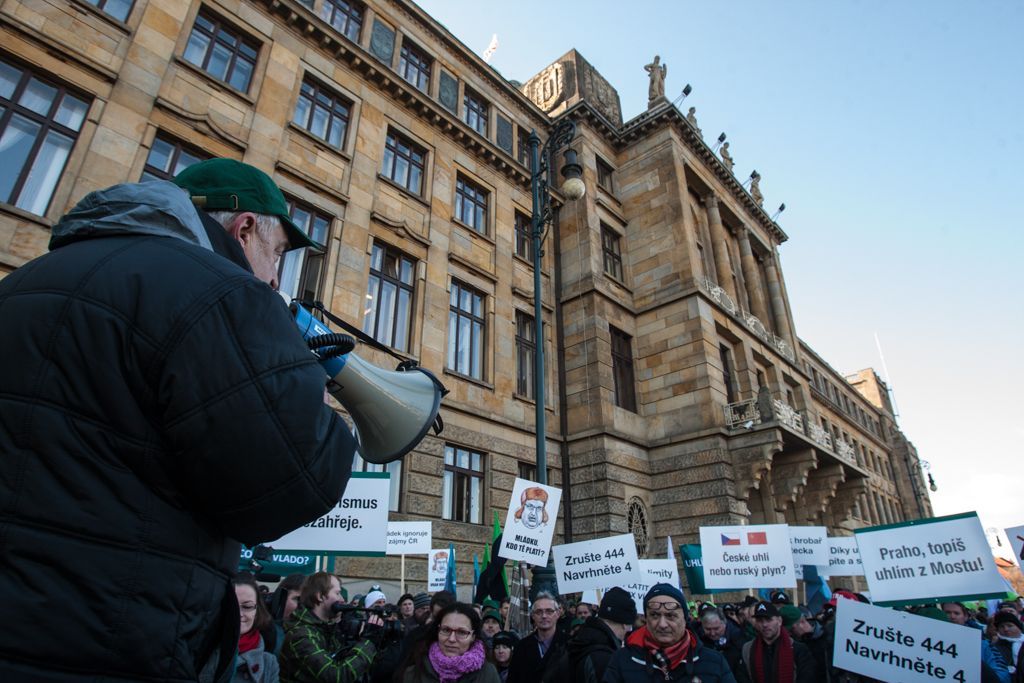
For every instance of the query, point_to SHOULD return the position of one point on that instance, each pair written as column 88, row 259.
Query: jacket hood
column 156, row 207
column 594, row 633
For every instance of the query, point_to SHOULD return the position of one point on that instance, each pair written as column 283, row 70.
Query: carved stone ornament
column 448, row 92
column 726, row 157
column 656, row 71
column 691, row 116
column 382, row 42
column 755, row 190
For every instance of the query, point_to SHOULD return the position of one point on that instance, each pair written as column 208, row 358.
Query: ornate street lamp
column 573, row 188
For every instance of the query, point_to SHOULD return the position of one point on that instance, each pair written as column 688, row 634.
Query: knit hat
column 504, row 638
column 491, row 614
column 421, row 600
column 618, row 606
column 664, row 590
column 790, row 615
column 766, row 610
column 779, row 598
column 748, row 601
column 372, row 597
column 1006, row 618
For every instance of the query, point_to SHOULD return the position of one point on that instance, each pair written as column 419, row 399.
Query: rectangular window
column 466, row 326
column 526, row 355
column 389, row 297
column 528, row 471
column 730, row 392
column 322, row 113
column 622, row 369
column 118, row 9
column 302, row 270
column 167, row 158
column 475, row 112
column 345, row 16
column 222, row 51
column 604, row 175
column 471, row 204
column 524, row 147
column 524, row 240
column 393, row 468
column 612, row 252
column 39, row 124
column 404, row 162
column 462, row 498
column 414, row 66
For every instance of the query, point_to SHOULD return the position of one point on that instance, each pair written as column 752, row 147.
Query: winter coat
column 526, row 665
column 257, row 666
column 590, row 650
column 485, row 674
column 157, row 406
column 804, row 667
column 313, row 652
column 633, row 664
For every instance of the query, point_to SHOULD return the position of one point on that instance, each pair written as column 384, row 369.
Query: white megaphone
column 392, row 410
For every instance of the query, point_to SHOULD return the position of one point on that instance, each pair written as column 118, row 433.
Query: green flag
column 693, row 567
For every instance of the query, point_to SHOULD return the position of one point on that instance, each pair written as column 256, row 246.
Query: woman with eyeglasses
column 452, row 651
column 254, row 662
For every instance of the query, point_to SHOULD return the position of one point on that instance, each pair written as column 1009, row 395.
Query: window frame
column 242, row 40
column 393, row 142
column 611, row 251
column 354, row 13
column 334, row 116
column 390, row 254
column 523, row 153
column 456, row 313
column 605, row 175
column 475, row 111
column 457, row 482
column 101, row 5
column 523, row 230
column 478, row 197
column 395, row 481
column 307, row 255
column 12, row 106
column 526, row 355
column 416, row 63
column 622, row 369
column 178, row 148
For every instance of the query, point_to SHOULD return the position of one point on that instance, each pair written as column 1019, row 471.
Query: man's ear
column 243, row 227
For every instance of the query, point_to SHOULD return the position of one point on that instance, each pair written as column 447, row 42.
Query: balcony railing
column 819, row 434
column 846, row 451
column 788, row 416
column 741, row 413
column 749, row 320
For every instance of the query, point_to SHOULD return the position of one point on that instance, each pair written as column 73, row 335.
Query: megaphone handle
column 438, row 424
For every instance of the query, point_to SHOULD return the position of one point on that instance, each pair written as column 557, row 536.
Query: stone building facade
column 678, row 394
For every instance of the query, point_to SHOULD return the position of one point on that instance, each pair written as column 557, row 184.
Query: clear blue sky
column 892, row 131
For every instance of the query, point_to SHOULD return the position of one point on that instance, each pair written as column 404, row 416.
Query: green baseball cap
column 229, row 185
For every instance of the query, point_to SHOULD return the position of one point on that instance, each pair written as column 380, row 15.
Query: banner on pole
column 944, row 558
column 409, row 538
column 755, row 556
column 599, row 563
column 357, row 525
column 1016, row 536
column 652, row 572
column 693, row 569
column 437, row 569
column 530, row 522
column 891, row 645
column 844, row 557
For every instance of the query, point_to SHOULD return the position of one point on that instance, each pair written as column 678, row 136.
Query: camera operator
column 314, row 648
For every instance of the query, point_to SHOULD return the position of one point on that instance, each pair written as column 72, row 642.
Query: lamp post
column 573, row 189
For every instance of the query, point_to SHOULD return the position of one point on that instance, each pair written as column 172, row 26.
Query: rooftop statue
column 657, row 72
column 726, row 157
column 691, row 116
column 755, row 190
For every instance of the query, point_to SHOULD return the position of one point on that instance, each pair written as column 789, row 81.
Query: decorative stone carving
column 726, row 157
column 448, row 92
column 382, row 42
column 691, row 117
column 504, row 134
column 569, row 80
column 656, row 71
column 755, row 190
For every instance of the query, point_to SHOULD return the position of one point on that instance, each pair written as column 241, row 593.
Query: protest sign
column 693, row 569
column 530, row 522
column 600, row 563
column 756, row 556
column 810, row 544
column 890, row 645
column 652, row 572
column 944, row 558
column 408, row 538
column 282, row 562
column 437, row 569
column 357, row 525
column 844, row 557
column 1016, row 536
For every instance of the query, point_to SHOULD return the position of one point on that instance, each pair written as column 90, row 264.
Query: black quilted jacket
column 157, row 406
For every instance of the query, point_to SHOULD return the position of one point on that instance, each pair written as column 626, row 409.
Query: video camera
column 353, row 625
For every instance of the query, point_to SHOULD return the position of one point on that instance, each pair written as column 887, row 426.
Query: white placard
column 929, row 560
column 357, row 525
column 409, row 538
column 844, row 557
column 756, row 556
column 599, row 563
column 809, row 544
column 652, row 572
column 1016, row 536
column 530, row 522
column 437, row 569
column 892, row 645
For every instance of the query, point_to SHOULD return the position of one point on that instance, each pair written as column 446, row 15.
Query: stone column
column 751, row 276
column 778, row 304
column 720, row 246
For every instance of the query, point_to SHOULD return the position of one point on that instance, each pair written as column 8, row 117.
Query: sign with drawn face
column 530, row 522
column 437, row 569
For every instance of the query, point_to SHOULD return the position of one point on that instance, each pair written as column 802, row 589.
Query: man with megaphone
column 158, row 406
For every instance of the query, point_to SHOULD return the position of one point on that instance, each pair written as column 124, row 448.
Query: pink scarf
column 453, row 668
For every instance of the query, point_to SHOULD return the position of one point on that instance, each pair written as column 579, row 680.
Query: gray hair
column 546, row 595
column 713, row 612
column 265, row 225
